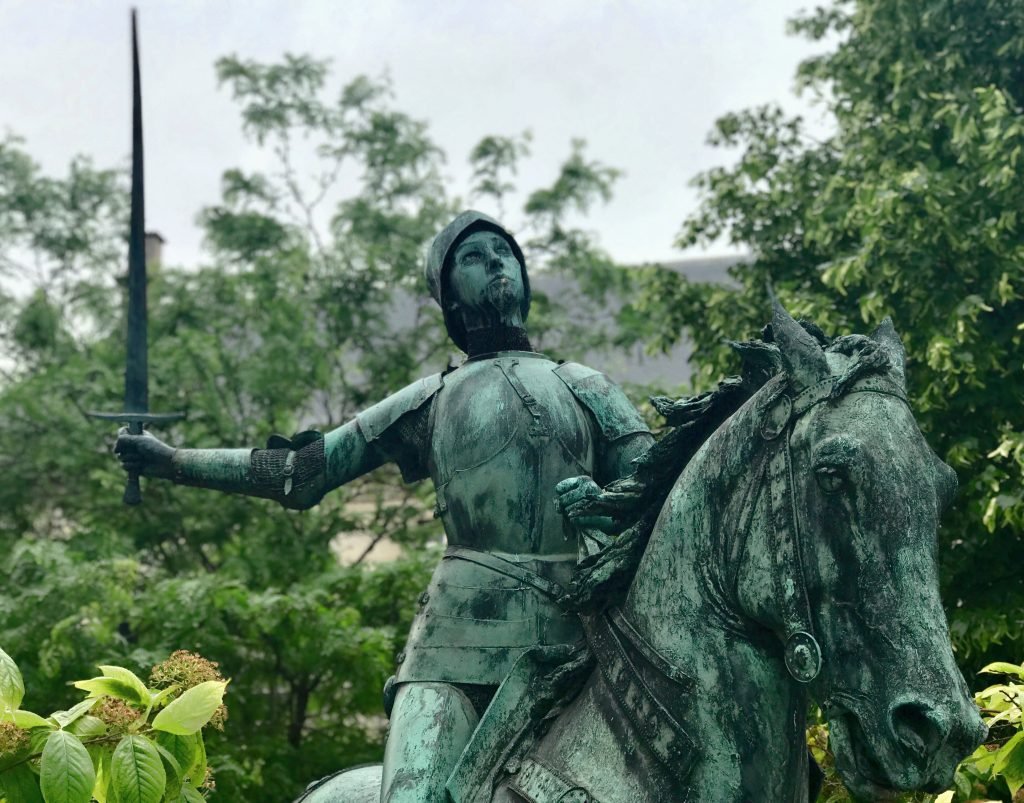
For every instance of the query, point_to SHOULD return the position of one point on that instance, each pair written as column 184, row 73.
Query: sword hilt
column 132, row 491
column 135, row 421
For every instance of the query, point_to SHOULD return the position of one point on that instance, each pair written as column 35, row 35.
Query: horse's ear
column 886, row 337
column 802, row 356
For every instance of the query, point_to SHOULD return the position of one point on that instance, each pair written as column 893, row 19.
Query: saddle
column 543, row 681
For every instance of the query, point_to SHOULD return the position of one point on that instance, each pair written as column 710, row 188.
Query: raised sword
column 136, row 373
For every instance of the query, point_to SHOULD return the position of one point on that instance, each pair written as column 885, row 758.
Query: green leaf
column 87, row 727
column 190, row 795
column 137, row 772
column 963, row 786
column 21, row 785
column 183, row 749
column 27, row 720
column 1003, row 668
column 66, row 774
column 172, row 769
column 112, row 687
column 37, row 738
column 65, row 718
column 101, row 761
column 130, row 679
column 159, row 697
column 12, row 687
column 198, row 773
column 192, row 710
column 1010, row 763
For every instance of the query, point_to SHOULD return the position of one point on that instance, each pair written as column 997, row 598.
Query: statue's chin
column 504, row 298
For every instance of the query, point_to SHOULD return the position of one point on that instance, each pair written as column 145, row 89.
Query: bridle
column 781, row 411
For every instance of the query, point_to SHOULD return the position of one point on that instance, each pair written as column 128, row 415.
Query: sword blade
column 136, row 374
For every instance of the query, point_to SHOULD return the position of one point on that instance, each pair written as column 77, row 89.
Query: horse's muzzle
column 936, row 738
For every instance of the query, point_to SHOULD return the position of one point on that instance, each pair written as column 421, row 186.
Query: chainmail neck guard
column 497, row 338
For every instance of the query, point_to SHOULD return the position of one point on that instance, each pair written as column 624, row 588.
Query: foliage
column 997, row 767
column 290, row 326
column 125, row 741
column 910, row 208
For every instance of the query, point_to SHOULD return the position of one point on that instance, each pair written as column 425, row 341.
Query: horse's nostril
column 919, row 727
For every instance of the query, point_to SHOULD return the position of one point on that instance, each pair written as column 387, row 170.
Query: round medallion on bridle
column 803, row 657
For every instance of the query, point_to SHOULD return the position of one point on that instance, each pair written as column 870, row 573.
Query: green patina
column 776, row 546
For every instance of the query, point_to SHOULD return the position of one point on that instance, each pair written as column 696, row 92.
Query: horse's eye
column 830, row 478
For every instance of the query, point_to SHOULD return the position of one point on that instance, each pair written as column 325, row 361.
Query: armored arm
column 622, row 437
column 297, row 472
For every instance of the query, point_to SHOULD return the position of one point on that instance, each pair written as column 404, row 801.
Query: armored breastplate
column 506, row 430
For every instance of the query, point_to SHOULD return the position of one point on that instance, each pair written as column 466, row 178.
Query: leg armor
column 431, row 723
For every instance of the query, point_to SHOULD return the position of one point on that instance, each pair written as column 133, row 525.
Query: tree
column 911, row 208
column 287, row 329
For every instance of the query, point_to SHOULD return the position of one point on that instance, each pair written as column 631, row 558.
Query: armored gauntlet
column 291, row 471
column 288, row 471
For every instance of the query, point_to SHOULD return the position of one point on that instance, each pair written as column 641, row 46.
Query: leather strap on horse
column 538, row 783
column 802, row 652
column 826, row 389
column 507, row 568
column 654, row 724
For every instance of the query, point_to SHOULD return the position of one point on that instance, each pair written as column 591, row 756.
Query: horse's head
column 855, row 496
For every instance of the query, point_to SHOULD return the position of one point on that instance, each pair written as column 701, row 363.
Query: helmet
column 438, row 265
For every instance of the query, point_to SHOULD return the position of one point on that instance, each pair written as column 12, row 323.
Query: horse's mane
column 635, row 501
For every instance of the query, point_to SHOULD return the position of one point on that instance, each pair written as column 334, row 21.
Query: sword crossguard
column 136, row 421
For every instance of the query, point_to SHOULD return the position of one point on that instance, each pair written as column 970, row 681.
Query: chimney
column 154, row 249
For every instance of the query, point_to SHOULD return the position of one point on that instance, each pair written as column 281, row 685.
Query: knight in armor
column 496, row 435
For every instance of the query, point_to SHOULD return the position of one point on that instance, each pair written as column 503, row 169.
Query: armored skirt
column 475, row 620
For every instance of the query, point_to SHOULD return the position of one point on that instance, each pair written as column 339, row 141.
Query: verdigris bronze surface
column 793, row 560
column 495, row 436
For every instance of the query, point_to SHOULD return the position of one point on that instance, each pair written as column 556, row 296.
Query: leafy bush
column 126, row 741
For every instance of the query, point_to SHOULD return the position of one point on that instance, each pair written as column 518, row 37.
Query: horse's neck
column 689, row 570
column 744, row 711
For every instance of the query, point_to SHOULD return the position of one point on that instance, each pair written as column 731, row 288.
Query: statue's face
column 486, row 282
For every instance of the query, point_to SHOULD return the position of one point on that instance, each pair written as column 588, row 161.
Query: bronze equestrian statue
column 793, row 558
column 658, row 635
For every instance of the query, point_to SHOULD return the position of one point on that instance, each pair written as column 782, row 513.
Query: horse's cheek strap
column 802, row 653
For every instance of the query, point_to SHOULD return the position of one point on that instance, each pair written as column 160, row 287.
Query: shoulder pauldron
column 614, row 413
column 375, row 421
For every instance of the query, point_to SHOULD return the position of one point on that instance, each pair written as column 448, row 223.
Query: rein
column 802, row 652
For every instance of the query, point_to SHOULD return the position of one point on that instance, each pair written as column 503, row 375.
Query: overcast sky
column 641, row 81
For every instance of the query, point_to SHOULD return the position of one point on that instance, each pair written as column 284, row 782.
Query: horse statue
column 794, row 559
